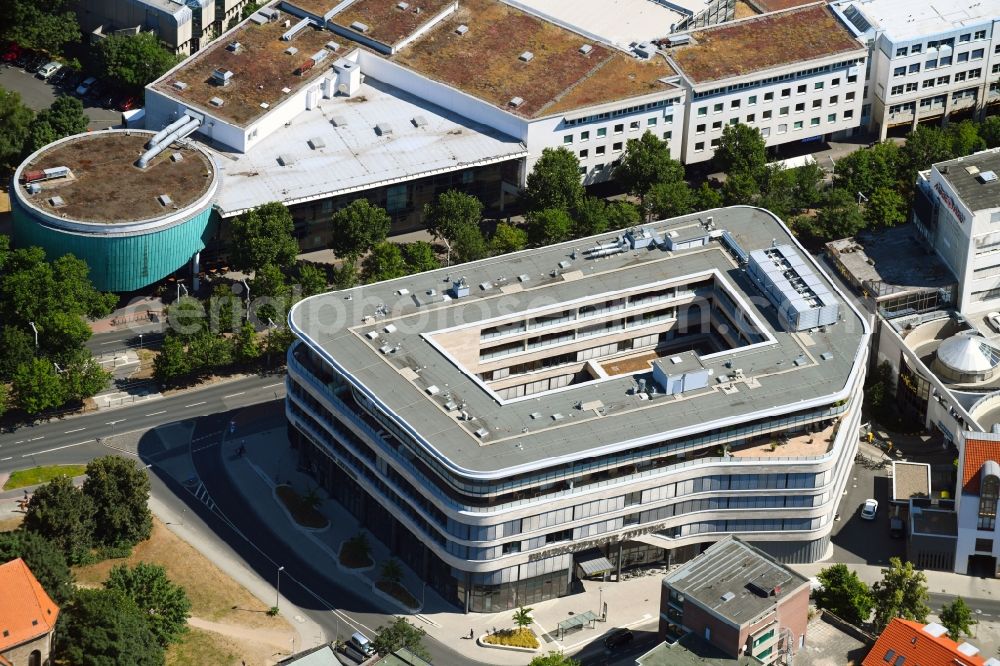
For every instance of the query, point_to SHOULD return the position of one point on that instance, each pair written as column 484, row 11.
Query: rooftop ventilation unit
column 179, row 85
column 516, row 102
column 221, row 77
column 258, row 18
column 462, row 29
column 270, row 14
column 460, row 288
column 728, row 596
column 286, row 160
column 987, row 177
column 339, row 121
column 165, row 200
column 316, row 143
column 968, row 649
column 235, row 47
column 419, row 121
column 402, row 5
column 526, row 56
column 296, row 29
column 216, row 101
column 332, row 46
column 56, row 202
column 972, row 170
column 291, row 50
column 383, row 129
column 524, row 277
column 360, row 27
column 432, row 390
column 176, row 157
column 935, row 629
column 645, row 50
column 586, row 49
column 678, row 40
column 482, row 432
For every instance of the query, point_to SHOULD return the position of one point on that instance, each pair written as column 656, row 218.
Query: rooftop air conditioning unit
column 462, row 29
column 526, row 56
column 516, row 102
column 586, row 49
column 222, row 77
column 360, row 27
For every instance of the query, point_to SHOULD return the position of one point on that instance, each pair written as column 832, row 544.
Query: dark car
column 618, row 638
column 23, row 58
column 71, row 79
column 60, row 76
column 36, row 63
column 896, row 530
column 97, row 91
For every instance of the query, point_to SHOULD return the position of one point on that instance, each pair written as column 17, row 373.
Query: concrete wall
column 20, row 655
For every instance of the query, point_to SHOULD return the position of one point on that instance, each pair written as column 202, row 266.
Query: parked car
column 23, row 58
column 869, row 509
column 48, row 70
column 994, row 319
column 36, row 63
column 11, row 52
column 896, row 529
column 618, row 638
column 97, row 90
column 70, row 78
column 86, row 86
column 360, row 642
column 59, row 78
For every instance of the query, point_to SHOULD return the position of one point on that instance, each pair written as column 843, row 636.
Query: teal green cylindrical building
column 132, row 226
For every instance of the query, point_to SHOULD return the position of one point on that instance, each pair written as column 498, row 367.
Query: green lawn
column 37, row 475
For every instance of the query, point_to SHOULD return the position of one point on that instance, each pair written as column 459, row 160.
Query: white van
column 360, row 643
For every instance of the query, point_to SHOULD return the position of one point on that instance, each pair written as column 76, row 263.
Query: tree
column 32, row 288
column 357, row 228
column 957, row 618
column 879, row 393
column 384, row 262
column 392, row 571
column 133, row 60
column 924, row 146
column 669, row 199
column 246, row 346
column 64, row 117
column 270, row 293
column 186, row 318
column 451, row 211
column 508, row 238
column 989, row 129
column 164, row 604
column 15, row 121
column 554, row 181
column 44, row 558
column 805, row 185
column 208, row 351
column 844, row 594
column 645, row 163
column 344, row 276
column 741, row 150
column 589, row 216
column 776, row 185
column 105, row 628
column 62, row 335
column 83, row 377
column 278, row 341
column 399, row 634
column 120, row 493
column 419, row 257
column 869, row 169
column 172, row 361
column 311, row 278
column 263, row 235
column 965, row 138
column 838, row 216
column 548, row 226
column 885, row 208
column 553, row 659
column 622, row 215
column 522, row 617
column 37, row 386
column 740, row 188
column 59, row 512
column 707, row 198
column 902, row 592
column 468, row 244
column 42, row 26
column 4, row 399
column 18, row 347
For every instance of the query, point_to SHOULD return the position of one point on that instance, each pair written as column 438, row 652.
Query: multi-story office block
column 795, row 75
column 928, row 60
column 509, row 424
column 184, row 27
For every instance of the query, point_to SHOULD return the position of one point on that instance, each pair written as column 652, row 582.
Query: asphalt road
column 127, row 337
column 857, row 541
column 37, row 94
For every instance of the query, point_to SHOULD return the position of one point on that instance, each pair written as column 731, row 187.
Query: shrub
column 522, row 638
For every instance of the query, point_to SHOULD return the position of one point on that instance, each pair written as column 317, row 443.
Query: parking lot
column 857, row 541
column 37, row 94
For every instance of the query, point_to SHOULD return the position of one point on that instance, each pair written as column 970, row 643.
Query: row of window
column 786, row 93
column 659, row 104
column 602, row 132
column 939, row 43
column 782, row 77
column 970, row 75
column 782, row 128
column 943, row 61
column 782, row 112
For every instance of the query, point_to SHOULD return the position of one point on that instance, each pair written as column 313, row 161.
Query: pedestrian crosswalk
column 201, row 493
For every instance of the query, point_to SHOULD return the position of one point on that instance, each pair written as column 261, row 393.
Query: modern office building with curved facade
column 133, row 225
column 510, row 424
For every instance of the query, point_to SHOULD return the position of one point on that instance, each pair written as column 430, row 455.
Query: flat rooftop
column 760, row 43
column 934, row 522
column 106, row 187
column 735, row 580
column 618, row 22
column 261, row 68
column 335, row 148
column 766, row 6
column 386, row 21
column 965, row 176
column 485, row 62
column 906, row 20
column 892, row 260
column 780, row 375
column 910, row 480
column 691, row 650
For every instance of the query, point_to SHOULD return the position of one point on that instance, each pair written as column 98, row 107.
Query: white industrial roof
column 619, row 22
column 904, row 20
column 353, row 155
column 968, row 353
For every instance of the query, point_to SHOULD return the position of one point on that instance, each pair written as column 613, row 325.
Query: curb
column 510, row 648
column 304, row 528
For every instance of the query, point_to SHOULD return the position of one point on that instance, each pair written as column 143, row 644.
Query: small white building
column 929, row 59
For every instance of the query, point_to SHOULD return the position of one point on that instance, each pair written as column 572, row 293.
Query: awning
column 593, row 562
column 577, row 621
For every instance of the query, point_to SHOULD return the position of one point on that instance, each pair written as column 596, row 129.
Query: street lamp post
column 277, row 588
column 247, row 287
column 600, row 598
column 140, row 341
column 32, row 324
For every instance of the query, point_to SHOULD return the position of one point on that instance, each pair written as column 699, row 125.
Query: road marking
column 111, row 423
column 21, row 442
column 157, row 413
column 233, row 395
column 70, row 431
column 110, row 342
column 58, row 448
column 273, row 385
column 35, row 439
column 7, row 458
column 195, row 404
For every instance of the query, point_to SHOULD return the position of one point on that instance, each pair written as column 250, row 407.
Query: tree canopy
column 105, row 628
column 399, row 633
column 553, row 659
column 550, row 225
column 43, row 557
column 384, row 262
column 42, row 26
column 132, row 61
column 844, row 594
column 957, row 618
column 15, row 123
column 902, row 592
column 741, row 150
column 64, row 117
column 451, row 211
column 59, row 512
column 554, row 181
column 508, row 238
column 647, row 162
column 359, row 227
column 263, row 235
column 164, row 604
column 120, row 493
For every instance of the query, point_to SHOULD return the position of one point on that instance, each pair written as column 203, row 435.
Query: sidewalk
column 633, row 603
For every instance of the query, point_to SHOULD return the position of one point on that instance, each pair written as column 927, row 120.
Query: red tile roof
column 908, row 640
column 26, row 611
column 977, row 452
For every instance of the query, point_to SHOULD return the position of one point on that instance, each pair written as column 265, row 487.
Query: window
column 715, row 143
column 849, row 96
column 896, row 90
column 835, row 82
column 831, row 117
column 650, row 122
column 583, row 171
column 834, row 99
column 717, row 108
column 818, row 85
column 916, row 48
column 599, row 167
column 765, row 132
column 734, row 121
column 943, row 80
column 930, row 64
column 849, row 113
column 912, row 87
column 814, row 122
column 914, row 68
column 584, row 136
column 769, row 96
column 977, row 54
column 901, row 51
column 668, row 119
column 735, row 104
column 717, row 125
column 783, row 111
column 668, row 135
column 960, row 76
column 568, row 139
column 751, row 100
column 700, row 129
column 988, row 495
column 899, row 71
column 751, row 117
column 963, row 56
column 766, row 115
column 945, row 61
column 786, row 93
column 929, row 83
column 817, row 103
column 801, row 90
column 633, row 126
column 800, row 107
column 601, row 133
column 980, row 34
column 600, row 150
column 512, row 547
column 995, row 69
column 617, row 147
column 984, row 545
column 584, row 153
column 702, row 111
column 619, row 128
column 782, row 128
column 964, row 38
column 798, row 125
column 975, row 73
column 699, row 147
